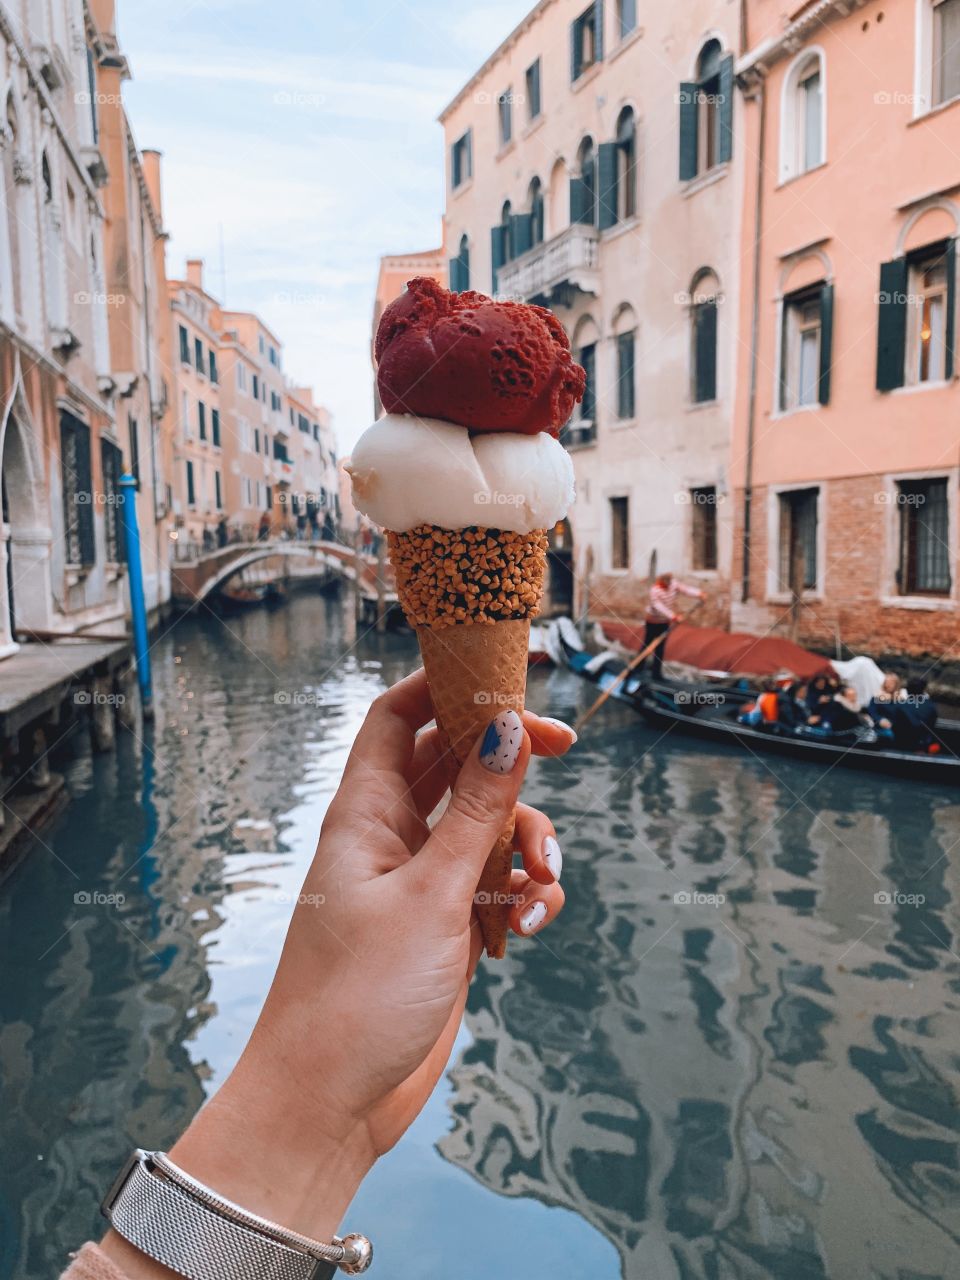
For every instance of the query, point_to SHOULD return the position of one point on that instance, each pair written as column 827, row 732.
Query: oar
column 631, row 665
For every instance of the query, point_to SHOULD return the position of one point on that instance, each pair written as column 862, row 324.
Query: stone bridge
column 194, row 579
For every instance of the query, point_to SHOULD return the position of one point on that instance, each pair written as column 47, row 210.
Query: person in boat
column 882, row 707
column 766, row 709
column 820, row 693
column 792, row 706
column 662, row 613
column 916, row 718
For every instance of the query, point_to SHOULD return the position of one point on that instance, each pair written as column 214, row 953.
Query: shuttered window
column 191, row 489
column 505, row 116
column 703, row 527
column 706, row 113
column 215, row 426
column 134, row 431
column 619, row 533
column 587, row 358
column 532, row 81
column 626, row 375
column 798, row 540
column 184, row 345
column 460, row 268
column 218, row 491
column 202, row 419
column 198, row 353
column 916, row 326
column 77, row 482
column 924, row 567
column 586, row 40
column 214, row 376
column 626, row 16
column 946, row 51
column 805, row 348
column 111, row 465
column 461, row 160
column 704, row 341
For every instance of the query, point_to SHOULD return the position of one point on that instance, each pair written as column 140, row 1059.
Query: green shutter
column 892, row 324
column 705, row 379
column 688, row 130
column 455, row 286
column 497, row 253
column 575, row 67
column 951, row 334
column 521, row 233
column 598, row 29
column 581, row 202
column 725, row 141
column 607, row 182
column 826, row 342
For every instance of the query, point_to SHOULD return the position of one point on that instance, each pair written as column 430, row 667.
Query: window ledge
column 505, row 149
column 787, row 179
column 623, row 424
column 698, row 406
column 932, row 604
column 620, row 229
column 693, row 185
column 780, row 415
column 458, row 191
column 933, row 111
column 617, row 573
column 532, row 126
column 786, row 597
column 586, row 77
column 625, row 42
column 912, row 388
column 74, row 574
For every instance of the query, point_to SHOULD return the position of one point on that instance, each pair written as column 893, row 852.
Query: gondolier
column 662, row 613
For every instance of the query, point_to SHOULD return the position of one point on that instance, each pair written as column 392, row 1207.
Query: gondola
column 708, row 709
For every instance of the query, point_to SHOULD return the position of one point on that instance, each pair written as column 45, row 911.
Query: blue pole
column 138, row 604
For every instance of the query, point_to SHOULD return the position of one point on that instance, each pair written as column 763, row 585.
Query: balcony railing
column 577, row 432
column 570, row 259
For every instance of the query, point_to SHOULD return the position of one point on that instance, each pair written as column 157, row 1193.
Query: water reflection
column 763, row 1086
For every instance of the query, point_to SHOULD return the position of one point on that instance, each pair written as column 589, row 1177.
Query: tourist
column 368, row 997
column 792, row 706
column 222, row 532
column 263, row 531
column 916, row 718
column 882, row 706
column 661, row 615
column 843, row 712
column 766, row 709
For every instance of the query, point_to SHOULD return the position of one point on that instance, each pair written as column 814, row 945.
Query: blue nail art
column 501, row 742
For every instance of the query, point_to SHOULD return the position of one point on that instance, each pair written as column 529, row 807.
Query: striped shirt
column 662, row 604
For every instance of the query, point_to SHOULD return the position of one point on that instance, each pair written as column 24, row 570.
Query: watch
column 189, row 1228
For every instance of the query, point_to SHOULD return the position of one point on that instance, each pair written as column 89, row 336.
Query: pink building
column 846, row 445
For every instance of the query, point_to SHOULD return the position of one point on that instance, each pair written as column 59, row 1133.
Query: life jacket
column 767, row 702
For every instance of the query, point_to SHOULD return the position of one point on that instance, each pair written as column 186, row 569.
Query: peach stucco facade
column 882, row 185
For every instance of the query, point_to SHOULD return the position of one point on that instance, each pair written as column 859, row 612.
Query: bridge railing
column 190, row 550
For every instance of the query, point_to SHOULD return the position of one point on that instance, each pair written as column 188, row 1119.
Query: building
column 71, row 378
column 593, row 166
column 248, row 470
column 395, row 270
column 314, row 503
column 845, row 445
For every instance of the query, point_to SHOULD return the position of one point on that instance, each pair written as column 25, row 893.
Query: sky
column 303, row 134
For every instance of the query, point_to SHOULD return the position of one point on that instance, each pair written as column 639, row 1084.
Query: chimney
column 151, row 175
column 195, row 272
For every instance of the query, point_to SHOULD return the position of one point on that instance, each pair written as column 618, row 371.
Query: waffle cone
column 474, row 672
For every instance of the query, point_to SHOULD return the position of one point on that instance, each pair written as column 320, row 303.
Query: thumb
column 484, row 796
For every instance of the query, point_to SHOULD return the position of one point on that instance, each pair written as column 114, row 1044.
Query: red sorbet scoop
column 491, row 366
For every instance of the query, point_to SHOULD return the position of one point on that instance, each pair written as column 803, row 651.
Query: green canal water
column 735, row 1055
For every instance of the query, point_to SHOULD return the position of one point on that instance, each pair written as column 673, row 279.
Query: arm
column 694, row 592
column 367, row 1000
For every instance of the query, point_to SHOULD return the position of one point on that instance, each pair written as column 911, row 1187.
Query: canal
column 734, row 1056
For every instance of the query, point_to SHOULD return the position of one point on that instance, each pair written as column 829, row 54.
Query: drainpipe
column 754, row 343
column 138, row 604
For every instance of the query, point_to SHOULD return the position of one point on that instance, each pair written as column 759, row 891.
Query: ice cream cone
column 474, row 645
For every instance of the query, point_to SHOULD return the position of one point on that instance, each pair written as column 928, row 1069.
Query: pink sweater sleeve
column 91, row 1263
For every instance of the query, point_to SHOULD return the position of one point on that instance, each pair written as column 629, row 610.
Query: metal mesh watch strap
column 215, row 1240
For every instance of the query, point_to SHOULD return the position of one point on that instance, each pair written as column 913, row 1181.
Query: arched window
column 535, row 205
column 583, row 188
column 704, row 293
column 626, row 165
column 460, row 267
column 803, row 117
column 506, row 214
column 625, row 337
column 706, row 113
column 585, row 342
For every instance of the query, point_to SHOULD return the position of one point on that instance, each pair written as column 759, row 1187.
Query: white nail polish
column 552, row 857
column 562, row 724
column 502, row 742
column 532, row 918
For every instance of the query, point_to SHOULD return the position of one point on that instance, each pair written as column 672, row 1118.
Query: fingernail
column 502, row 742
column 533, row 917
column 552, row 857
column 562, row 724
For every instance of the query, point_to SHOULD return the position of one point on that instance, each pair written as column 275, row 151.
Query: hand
column 362, row 1014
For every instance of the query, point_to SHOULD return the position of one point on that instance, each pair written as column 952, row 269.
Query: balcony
column 578, row 432
column 553, row 272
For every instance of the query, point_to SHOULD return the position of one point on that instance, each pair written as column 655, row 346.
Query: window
column 946, row 51
column 198, row 352
column 111, row 466
column 535, row 205
column 316, row 431
column 77, row 481
column 184, row 346
column 218, row 492
column 274, row 358
column 213, row 366
column 706, row 113
column 261, row 345
column 134, row 433
column 268, row 501
column 280, row 451
column 703, row 528
column 256, row 387
column 924, row 562
column 303, row 423
column 587, row 357
column 626, row 157
column 583, row 187
column 241, row 376
column 202, row 419
column 215, row 426
column 798, row 540
column 586, row 40
column 505, row 116
column 806, row 339
column 917, row 319
column 802, row 129
column 626, row 374
column 256, row 439
column 460, row 267
column 461, row 160
column 266, row 444
column 703, row 338
column 185, row 415
column 275, row 402
column 532, row 81
column 191, row 488
column 626, row 16
column 619, row 533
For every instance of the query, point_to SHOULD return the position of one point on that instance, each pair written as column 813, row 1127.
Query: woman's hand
column 362, row 1014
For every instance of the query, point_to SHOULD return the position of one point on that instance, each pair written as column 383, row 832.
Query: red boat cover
column 712, row 649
